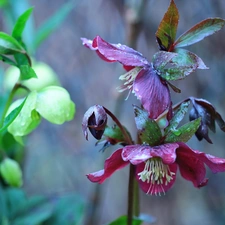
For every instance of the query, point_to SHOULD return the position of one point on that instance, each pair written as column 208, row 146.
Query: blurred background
column 57, row 158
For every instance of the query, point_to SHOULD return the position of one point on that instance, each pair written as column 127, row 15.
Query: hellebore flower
column 156, row 167
column 95, row 119
column 204, row 109
column 142, row 78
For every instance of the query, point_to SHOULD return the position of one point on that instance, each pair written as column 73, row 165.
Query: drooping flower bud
column 204, row 109
column 11, row 172
column 95, row 119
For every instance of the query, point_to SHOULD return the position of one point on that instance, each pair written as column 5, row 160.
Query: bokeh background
column 58, row 157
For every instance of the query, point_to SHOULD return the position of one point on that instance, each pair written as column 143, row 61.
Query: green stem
column 133, row 196
column 136, row 209
column 130, row 195
column 123, row 130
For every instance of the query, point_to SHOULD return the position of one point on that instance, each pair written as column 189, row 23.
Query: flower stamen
column 129, row 78
column 157, row 174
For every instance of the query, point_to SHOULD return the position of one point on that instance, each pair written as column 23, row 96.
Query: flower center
column 129, row 78
column 157, row 174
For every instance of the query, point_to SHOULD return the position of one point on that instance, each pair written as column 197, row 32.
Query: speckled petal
column 137, row 154
column 152, row 91
column 116, row 52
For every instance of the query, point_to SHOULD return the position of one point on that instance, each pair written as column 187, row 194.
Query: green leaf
column 181, row 65
column 7, row 60
column 187, row 58
column 198, row 32
column 26, row 72
column 9, row 45
column 123, row 221
column 22, row 59
column 20, row 24
column 184, row 133
column 167, row 29
column 148, row 130
column 52, row 23
column 162, row 58
column 11, row 172
column 177, row 118
column 28, row 118
column 55, row 105
column 12, row 116
column 114, row 133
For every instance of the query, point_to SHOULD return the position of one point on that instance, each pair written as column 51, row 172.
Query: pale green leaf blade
column 9, row 45
column 178, row 116
column 184, row 133
column 198, row 32
column 26, row 72
column 21, row 23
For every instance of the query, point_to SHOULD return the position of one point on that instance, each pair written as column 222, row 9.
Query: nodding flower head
column 95, row 119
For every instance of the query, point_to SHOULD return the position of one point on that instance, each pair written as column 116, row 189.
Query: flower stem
column 123, row 130
column 133, row 196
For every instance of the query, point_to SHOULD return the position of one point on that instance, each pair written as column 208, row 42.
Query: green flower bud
column 11, row 172
column 28, row 118
column 45, row 77
column 55, row 105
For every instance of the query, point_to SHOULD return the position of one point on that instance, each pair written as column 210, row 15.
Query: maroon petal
column 156, row 188
column 116, row 52
column 137, row 154
column 191, row 167
column 153, row 93
column 214, row 163
column 113, row 163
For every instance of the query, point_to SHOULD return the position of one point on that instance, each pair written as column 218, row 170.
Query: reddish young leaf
column 167, row 29
column 200, row 31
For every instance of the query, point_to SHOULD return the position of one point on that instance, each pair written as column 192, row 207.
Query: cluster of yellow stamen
column 156, row 173
column 129, row 77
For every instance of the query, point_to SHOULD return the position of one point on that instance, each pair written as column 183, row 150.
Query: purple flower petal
column 116, row 52
column 137, row 154
column 152, row 92
column 191, row 168
column 214, row 163
column 113, row 163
